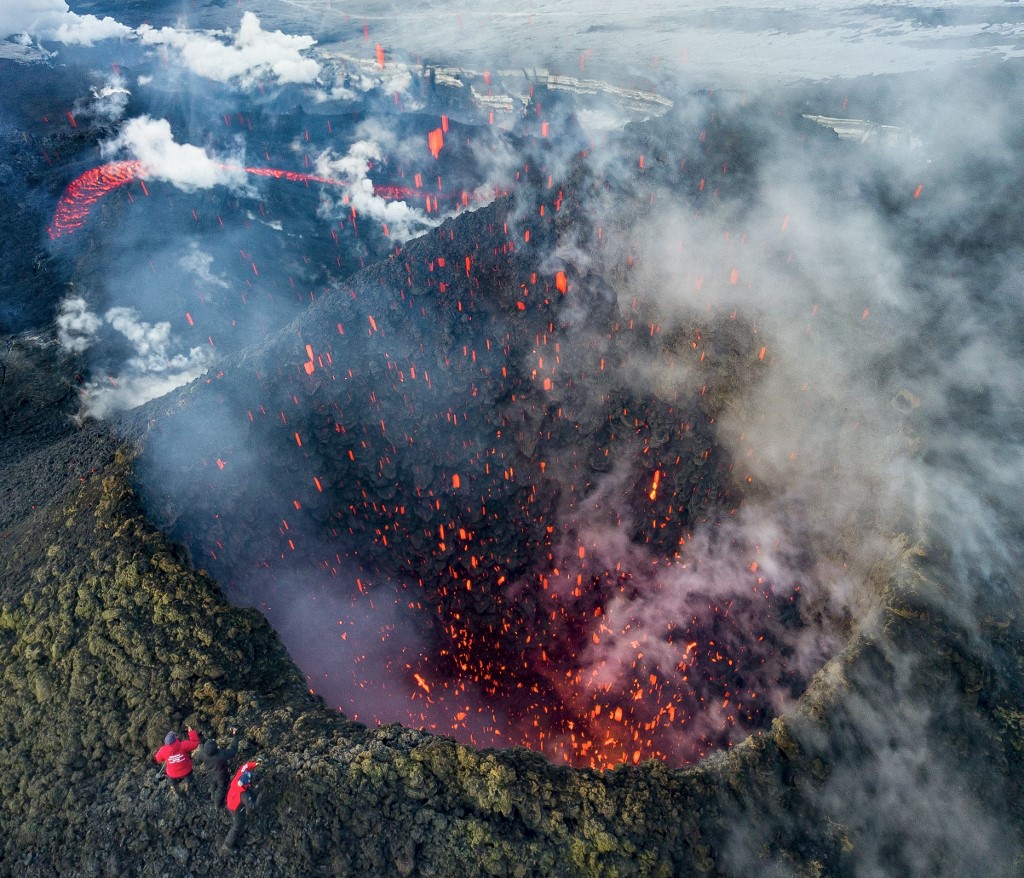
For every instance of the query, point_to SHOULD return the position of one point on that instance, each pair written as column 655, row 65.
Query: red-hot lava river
column 89, row 187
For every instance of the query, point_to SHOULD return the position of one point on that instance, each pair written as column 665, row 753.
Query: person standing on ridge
column 240, row 799
column 177, row 761
column 217, row 762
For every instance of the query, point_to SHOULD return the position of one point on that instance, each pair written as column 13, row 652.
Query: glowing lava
column 88, row 188
column 84, row 191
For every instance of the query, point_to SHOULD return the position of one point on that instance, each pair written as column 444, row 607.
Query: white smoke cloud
column 251, row 54
column 104, row 397
column 76, row 325
column 85, row 30
column 160, row 363
column 53, row 20
column 152, row 342
column 107, row 103
column 186, row 166
column 359, row 76
column 402, row 220
column 198, row 262
column 338, row 92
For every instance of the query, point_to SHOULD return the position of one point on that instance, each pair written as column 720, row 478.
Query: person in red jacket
column 240, row 799
column 177, row 761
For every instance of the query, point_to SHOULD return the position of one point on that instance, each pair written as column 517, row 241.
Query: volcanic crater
column 491, row 446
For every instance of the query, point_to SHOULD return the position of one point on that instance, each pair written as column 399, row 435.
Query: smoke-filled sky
column 876, row 272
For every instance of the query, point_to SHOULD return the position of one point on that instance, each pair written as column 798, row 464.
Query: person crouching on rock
column 177, row 761
column 217, row 762
column 240, row 798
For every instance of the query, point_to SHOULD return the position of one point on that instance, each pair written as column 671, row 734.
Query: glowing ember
column 435, row 140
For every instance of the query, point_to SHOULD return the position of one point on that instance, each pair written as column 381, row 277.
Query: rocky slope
column 108, row 639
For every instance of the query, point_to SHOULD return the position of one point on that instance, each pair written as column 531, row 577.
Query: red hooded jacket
column 236, row 789
column 179, row 763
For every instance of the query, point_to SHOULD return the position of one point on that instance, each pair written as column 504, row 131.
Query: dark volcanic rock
column 38, row 394
column 46, row 452
column 115, row 640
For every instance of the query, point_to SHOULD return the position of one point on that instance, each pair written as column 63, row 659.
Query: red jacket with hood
column 236, row 789
column 176, row 755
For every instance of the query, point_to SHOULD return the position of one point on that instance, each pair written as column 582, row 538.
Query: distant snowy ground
column 726, row 42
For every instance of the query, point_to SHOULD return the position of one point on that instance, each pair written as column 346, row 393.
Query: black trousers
column 219, row 791
column 248, row 803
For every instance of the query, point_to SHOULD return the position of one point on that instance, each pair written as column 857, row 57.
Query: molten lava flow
column 88, row 188
column 84, row 191
column 294, row 176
